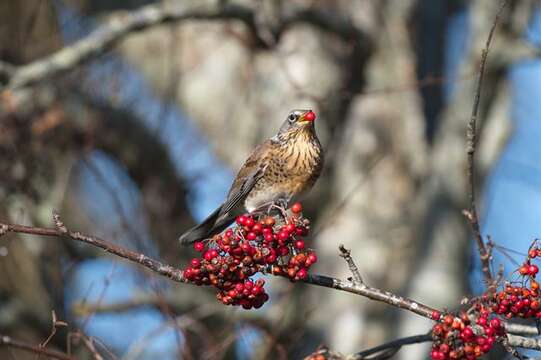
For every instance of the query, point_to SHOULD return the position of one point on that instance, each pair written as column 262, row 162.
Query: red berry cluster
column 521, row 299
column 462, row 338
column 255, row 244
column 473, row 333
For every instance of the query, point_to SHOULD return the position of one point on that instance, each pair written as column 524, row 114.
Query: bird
column 278, row 171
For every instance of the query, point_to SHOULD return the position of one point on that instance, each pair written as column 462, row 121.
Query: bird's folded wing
column 239, row 193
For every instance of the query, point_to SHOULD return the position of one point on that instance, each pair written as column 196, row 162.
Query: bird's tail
column 213, row 224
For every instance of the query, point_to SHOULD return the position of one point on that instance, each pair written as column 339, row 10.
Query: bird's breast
column 292, row 170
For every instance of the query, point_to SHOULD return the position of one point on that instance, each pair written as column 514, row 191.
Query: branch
column 152, row 264
column 471, row 136
column 9, row 342
column 118, row 27
column 372, row 293
column 523, row 342
column 391, row 348
column 176, row 274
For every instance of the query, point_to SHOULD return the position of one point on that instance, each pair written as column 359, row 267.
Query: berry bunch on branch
column 257, row 243
column 473, row 332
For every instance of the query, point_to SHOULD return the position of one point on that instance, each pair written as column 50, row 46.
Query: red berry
column 199, row 246
column 297, row 207
column 302, row 274
column 532, row 253
column 444, row 348
column 435, row 314
column 299, row 244
column 195, row 263
column 485, row 348
column 467, row 333
column 209, row 255
column 283, row 251
column 312, row 257
column 283, row 235
column 290, row 228
column 481, row 340
column 250, row 222
column 256, row 290
column 257, row 228
column 533, row 269
column 251, row 236
column 495, row 323
column 241, row 220
column 310, row 116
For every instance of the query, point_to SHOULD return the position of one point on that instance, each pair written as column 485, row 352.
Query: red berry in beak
column 310, row 116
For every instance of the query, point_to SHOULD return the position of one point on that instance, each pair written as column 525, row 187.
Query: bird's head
column 298, row 119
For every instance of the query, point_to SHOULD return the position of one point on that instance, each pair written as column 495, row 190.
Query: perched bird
column 277, row 172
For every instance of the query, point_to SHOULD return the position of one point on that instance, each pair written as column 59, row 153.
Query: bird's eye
column 291, row 117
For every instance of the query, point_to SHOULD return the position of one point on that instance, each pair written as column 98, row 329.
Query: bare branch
column 176, row 274
column 372, row 293
column 471, row 137
column 142, row 259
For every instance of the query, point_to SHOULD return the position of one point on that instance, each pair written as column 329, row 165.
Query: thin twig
column 471, row 137
column 36, row 349
column 392, row 347
column 346, row 254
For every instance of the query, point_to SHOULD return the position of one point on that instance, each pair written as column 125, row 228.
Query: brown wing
column 251, row 171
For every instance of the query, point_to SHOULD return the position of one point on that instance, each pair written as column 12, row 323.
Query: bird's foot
column 278, row 206
column 281, row 206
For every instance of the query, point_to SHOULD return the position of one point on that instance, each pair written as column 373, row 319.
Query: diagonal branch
column 148, row 262
column 121, row 25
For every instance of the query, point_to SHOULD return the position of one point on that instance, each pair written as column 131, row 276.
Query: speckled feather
column 293, row 161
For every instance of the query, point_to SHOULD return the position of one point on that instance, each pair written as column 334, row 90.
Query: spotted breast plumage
column 280, row 170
